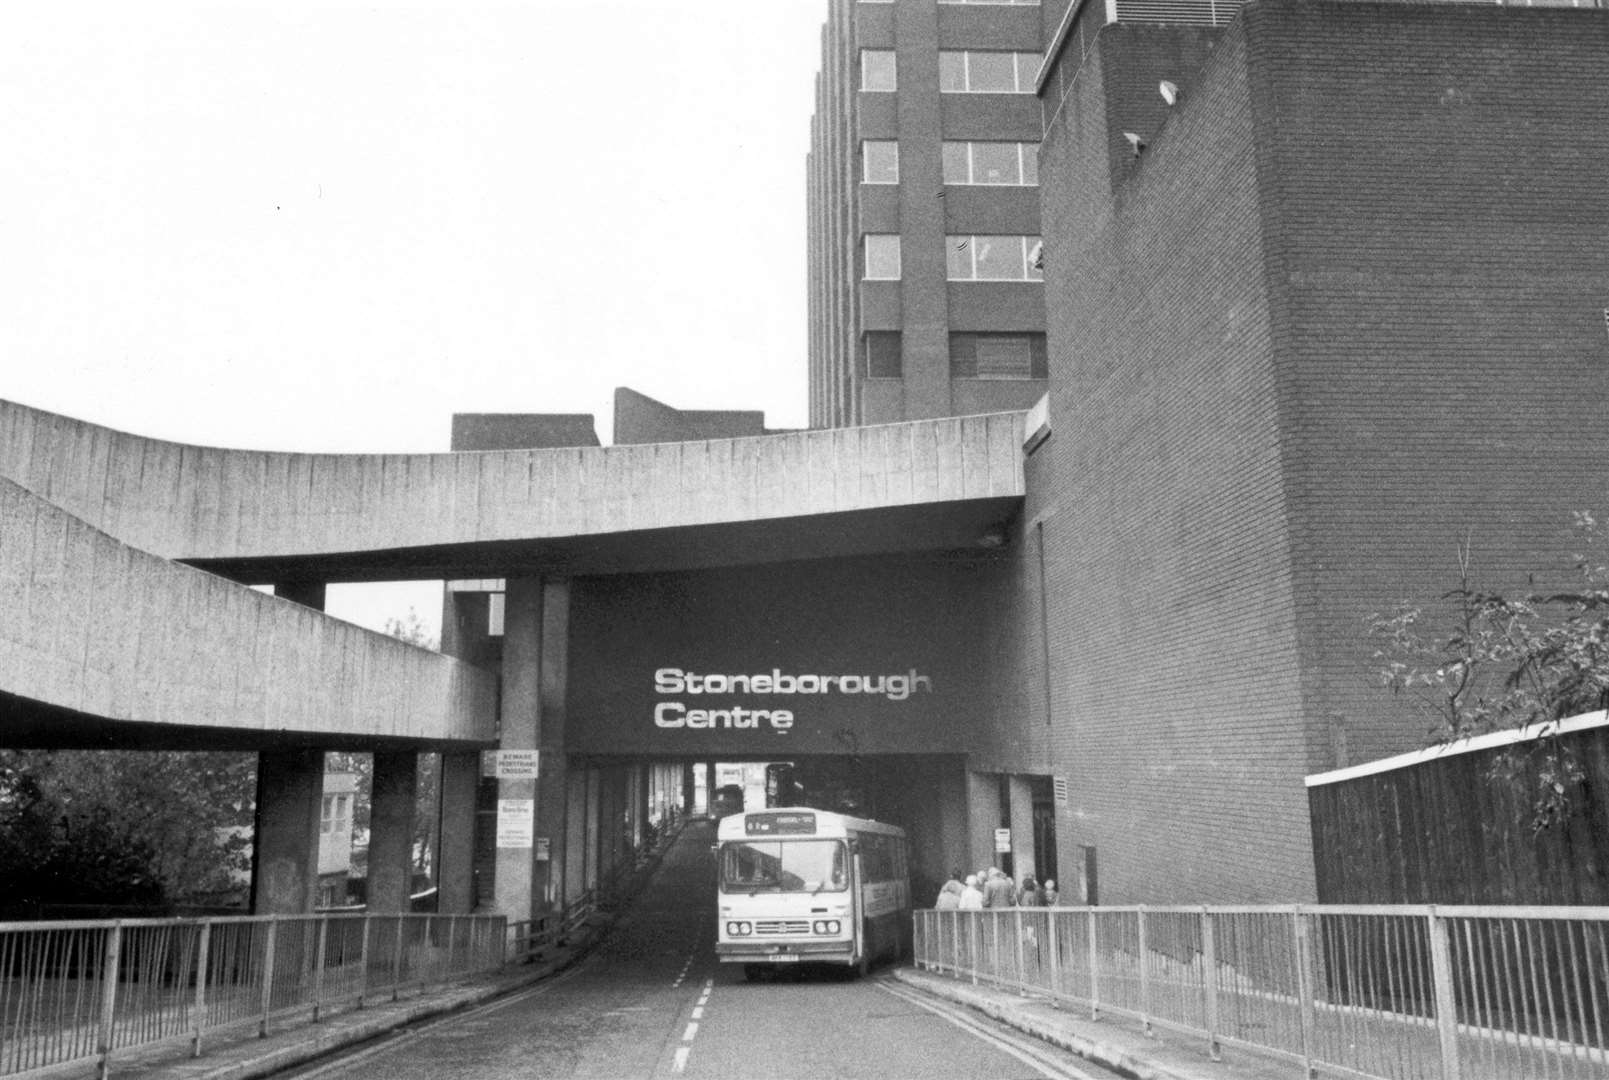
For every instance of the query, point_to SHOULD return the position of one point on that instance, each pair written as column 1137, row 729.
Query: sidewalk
column 1117, row 1044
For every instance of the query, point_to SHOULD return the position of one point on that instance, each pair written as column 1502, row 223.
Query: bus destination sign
column 780, row 825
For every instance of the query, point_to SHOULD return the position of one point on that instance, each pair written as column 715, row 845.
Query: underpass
column 651, row 1001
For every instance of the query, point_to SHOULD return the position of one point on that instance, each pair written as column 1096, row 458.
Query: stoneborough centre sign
column 738, row 715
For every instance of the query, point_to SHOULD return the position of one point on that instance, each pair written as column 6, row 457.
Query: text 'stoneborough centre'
column 1129, row 407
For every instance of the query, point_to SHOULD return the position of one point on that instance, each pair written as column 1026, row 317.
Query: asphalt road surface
column 651, row 1001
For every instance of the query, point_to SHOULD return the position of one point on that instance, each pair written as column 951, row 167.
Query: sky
column 326, row 227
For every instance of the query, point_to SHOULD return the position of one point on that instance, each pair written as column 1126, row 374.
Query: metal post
column 1094, row 971
column 268, row 974
column 109, row 976
column 199, row 1009
column 1441, row 968
column 396, row 963
column 1053, row 951
column 1022, row 959
column 1145, row 980
column 1302, row 929
column 363, row 962
column 1209, row 983
column 318, row 969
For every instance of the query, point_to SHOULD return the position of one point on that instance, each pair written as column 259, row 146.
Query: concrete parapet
column 91, row 625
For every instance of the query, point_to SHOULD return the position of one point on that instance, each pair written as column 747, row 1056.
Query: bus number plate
column 784, row 958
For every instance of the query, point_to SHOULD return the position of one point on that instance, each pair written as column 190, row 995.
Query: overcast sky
column 312, row 226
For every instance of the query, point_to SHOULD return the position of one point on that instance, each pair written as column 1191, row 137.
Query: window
column 877, row 69
column 882, row 257
column 998, row 356
column 992, row 258
column 973, row 72
column 991, row 163
column 882, row 348
column 879, row 162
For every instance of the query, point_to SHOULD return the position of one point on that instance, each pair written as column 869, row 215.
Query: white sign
column 544, row 849
column 516, row 823
column 515, row 764
column 1002, row 841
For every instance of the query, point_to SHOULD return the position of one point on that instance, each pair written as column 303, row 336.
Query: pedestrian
column 949, row 898
column 971, row 896
column 1048, row 891
column 998, row 891
column 1029, row 895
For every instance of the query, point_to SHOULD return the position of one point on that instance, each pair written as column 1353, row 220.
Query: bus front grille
column 782, row 926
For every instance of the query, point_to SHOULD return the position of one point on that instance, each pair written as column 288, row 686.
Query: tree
column 1511, row 661
column 146, row 828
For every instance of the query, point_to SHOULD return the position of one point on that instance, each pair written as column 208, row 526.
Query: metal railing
column 1395, row 992
column 83, row 990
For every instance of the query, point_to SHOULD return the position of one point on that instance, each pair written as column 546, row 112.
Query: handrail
column 1367, row 990
column 81, row 990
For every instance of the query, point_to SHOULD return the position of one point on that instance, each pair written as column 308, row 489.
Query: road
column 652, row 1002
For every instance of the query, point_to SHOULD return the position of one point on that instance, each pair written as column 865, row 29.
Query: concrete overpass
column 107, row 638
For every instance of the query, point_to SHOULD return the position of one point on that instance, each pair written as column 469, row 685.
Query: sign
column 790, row 824
column 544, row 849
column 731, row 713
column 515, row 764
column 1002, row 841
column 516, row 823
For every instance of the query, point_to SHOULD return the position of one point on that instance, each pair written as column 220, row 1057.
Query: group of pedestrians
column 993, row 889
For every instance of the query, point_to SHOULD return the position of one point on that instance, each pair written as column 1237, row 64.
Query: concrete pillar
column 709, row 787
column 553, row 788
column 455, row 854
column 391, row 810
column 594, row 823
column 1022, row 827
column 575, row 844
column 983, row 818
column 516, row 890
column 290, row 792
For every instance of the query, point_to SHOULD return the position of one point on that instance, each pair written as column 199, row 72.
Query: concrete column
column 1023, row 860
column 290, row 792
column 575, row 845
column 594, row 822
column 455, row 854
column 391, row 809
column 983, row 818
column 709, row 787
column 553, row 789
column 689, row 789
column 516, row 890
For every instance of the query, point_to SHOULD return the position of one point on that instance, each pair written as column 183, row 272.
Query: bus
column 800, row 885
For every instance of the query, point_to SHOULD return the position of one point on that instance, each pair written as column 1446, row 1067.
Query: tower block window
column 998, row 356
column 882, row 349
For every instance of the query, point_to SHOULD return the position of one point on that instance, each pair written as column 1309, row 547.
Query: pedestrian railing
column 81, row 991
column 1440, row 993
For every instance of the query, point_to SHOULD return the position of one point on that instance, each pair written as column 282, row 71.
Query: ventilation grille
column 1179, row 12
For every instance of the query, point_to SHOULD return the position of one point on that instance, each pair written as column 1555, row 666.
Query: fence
column 80, row 991
column 1440, row 993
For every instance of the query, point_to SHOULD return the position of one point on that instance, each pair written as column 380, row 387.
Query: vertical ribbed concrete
column 983, row 817
column 1024, row 859
column 391, row 813
column 552, row 789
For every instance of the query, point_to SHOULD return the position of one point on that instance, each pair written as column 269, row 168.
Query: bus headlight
column 826, row 926
column 739, row 929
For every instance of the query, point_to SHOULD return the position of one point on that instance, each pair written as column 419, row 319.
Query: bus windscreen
column 784, row 865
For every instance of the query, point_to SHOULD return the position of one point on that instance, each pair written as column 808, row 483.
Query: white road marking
column 691, row 1033
column 698, row 1012
column 1043, row 1064
column 681, row 1058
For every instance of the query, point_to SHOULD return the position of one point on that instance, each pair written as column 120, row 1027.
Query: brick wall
column 1345, row 310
